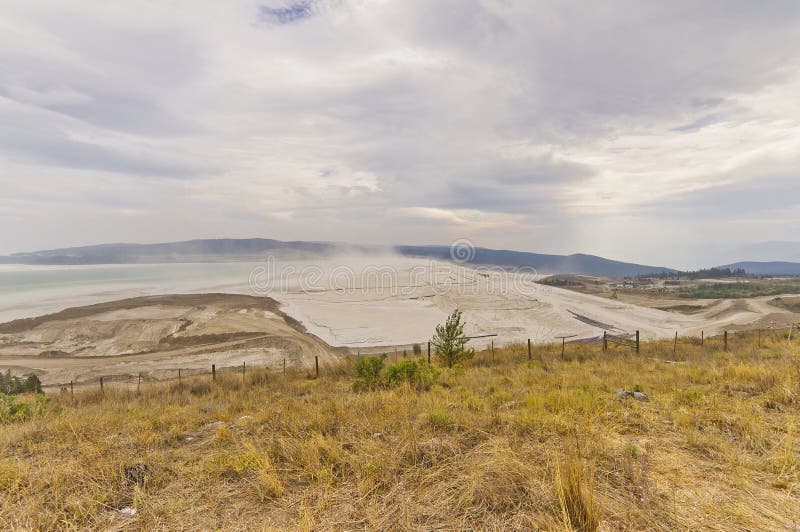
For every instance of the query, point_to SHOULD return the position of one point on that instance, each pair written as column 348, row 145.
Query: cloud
column 544, row 126
column 462, row 219
column 39, row 136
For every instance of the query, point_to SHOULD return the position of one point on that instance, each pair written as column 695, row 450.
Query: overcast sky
column 658, row 132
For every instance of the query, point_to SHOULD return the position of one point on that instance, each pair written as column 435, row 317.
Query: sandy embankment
column 157, row 335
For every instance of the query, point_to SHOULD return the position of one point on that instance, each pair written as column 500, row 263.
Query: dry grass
column 511, row 445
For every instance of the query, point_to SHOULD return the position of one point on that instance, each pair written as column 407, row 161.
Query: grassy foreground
column 502, row 445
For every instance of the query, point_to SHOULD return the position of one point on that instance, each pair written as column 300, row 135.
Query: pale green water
column 33, row 290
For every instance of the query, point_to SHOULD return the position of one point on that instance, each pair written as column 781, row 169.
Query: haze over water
column 27, row 291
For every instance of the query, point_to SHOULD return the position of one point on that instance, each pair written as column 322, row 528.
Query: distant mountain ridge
column 240, row 249
column 578, row 263
column 186, row 251
column 766, row 268
column 231, row 249
column 774, row 257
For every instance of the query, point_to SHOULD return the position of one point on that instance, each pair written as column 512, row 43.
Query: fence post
column 605, row 341
column 530, row 355
column 101, row 384
column 637, row 341
column 563, row 344
column 71, row 390
column 179, row 375
column 725, row 337
column 429, row 352
column 759, row 338
column 492, row 351
column 702, row 338
column 316, row 364
column 791, row 326
column 213, row 372
column 284, row 366
column 139, row 383
column 675, row 345
column 244, row 365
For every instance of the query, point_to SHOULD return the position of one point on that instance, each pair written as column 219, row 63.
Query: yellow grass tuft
column 575, row 490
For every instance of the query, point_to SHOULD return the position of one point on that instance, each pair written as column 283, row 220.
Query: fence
column 632, row 341
column 620, row 340
column 136, row 379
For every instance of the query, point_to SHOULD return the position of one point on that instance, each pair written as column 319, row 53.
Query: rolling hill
column 578, row 263
column 208, row 250
column 229, row 249
column 767, row 268
column 771, row 251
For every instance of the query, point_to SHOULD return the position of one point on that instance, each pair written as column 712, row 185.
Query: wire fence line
column 168, row 374
column 631, row 340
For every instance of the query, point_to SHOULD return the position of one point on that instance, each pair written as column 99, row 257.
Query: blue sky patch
column 288, row 14
column 699, row 124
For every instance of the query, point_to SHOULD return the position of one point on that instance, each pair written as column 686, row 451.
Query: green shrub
column 371, row 374
column 12, row 411
column 415, row 372
column 368, row 372
column 417, row 349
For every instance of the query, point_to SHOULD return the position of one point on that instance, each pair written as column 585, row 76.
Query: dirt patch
column 729, row 309
column 593, row 323
column 791, row 304
column 54, row 353
column 684, row 309
column 205, row 339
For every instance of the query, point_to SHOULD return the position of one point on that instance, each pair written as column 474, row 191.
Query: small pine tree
column 32, row 384
column 449, row 341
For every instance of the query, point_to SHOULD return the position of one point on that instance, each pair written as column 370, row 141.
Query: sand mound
column 157, row 333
